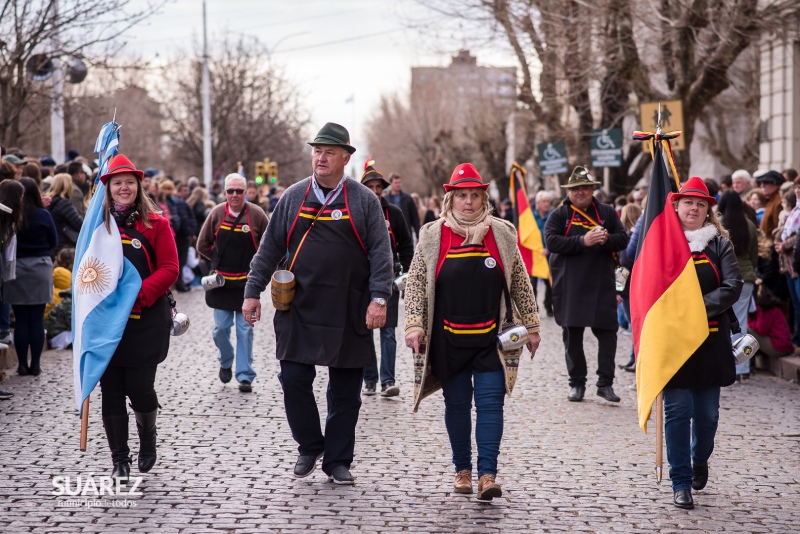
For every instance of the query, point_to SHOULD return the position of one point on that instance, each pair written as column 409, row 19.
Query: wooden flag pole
column 84, row 423
column 659, row 436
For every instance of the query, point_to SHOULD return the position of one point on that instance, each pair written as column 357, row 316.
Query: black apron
column 712, row 364
column 326, row 323
column 145, row 341
column 235, row 239
column 465, row 321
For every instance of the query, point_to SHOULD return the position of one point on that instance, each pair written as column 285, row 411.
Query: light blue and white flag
column 104, row 283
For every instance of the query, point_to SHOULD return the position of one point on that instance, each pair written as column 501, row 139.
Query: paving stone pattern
column 225, row 458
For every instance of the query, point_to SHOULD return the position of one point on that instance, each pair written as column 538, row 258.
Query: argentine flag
column 104, row 283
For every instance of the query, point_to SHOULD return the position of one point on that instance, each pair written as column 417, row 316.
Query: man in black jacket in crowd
column 402, row 200
column 402, row 253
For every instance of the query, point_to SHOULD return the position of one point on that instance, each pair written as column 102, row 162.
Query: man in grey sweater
column 330, row 232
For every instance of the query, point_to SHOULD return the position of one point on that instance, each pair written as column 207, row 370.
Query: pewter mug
column 512, row 338
column 180, row 324
column 212, row 281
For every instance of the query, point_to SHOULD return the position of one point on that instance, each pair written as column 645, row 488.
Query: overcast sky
column 330, row 50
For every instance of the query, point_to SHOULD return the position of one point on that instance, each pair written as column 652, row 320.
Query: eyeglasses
column 237, row 191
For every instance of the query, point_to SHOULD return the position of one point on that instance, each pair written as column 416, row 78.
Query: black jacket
column 183, row 220
column 409, row 210
column 403, row 244
column 65, row 216
column 712, row 364
column 584, row 291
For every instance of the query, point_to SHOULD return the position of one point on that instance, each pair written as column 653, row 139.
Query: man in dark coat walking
column 583, row 236
column 330, row 232
column 402, row 200
column 402, row 254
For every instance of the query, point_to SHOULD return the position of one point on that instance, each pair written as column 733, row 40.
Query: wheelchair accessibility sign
column 552, row 157
column 606, row 147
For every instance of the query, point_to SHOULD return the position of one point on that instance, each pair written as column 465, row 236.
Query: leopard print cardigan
column 420, row 293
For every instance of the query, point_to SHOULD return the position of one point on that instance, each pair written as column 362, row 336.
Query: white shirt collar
column 330, row 197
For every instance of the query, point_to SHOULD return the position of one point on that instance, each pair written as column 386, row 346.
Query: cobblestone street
column 225, row 457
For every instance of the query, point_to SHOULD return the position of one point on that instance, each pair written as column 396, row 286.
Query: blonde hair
column 630, row 214
column 711, row 218
column 60, row 186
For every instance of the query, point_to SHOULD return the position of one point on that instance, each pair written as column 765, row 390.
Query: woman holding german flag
column 691, row 397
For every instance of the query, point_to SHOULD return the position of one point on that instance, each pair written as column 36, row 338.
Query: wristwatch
column 379, row 301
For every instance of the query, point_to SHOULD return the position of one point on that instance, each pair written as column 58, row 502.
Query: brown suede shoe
column 463, row 483
column 488, row 489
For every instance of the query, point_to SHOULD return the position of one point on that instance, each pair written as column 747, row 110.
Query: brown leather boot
column 488, row 489
column 463, row 483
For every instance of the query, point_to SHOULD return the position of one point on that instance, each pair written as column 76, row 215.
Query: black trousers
column 576, row 358
column 548, row 292
column 136, row 383
column 344, row 402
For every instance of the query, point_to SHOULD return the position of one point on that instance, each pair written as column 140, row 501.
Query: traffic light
column 272, row 172
column 260, row 172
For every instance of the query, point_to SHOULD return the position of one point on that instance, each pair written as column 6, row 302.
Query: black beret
column 771, row 177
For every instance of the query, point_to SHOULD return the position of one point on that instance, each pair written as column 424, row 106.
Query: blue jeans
column 223, row 321
column 691, row 417
column 489, row 389
column 740, row 310
column 388, row 357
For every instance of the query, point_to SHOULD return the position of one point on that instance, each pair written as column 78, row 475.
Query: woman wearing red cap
column 691, row 397
column 148, row 244
column 466, row 271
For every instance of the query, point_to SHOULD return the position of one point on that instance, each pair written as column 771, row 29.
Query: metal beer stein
column 400, row 282
column 180, row 324
column 512, row 337
column 745, row 348
column 212, row 281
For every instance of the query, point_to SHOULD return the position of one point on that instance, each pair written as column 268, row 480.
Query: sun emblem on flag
column 93, row 276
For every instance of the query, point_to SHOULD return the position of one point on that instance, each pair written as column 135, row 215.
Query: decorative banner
column 552, row 157
column 606, row 147
column 671, row 120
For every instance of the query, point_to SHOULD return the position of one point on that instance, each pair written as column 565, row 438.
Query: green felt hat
column 335, row 135
column 581, row 176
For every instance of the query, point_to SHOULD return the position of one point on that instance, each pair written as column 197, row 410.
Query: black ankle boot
column 146, row 425
column 117, row 434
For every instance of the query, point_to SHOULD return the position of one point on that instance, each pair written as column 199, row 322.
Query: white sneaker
column 7, row 339
column 3, row 346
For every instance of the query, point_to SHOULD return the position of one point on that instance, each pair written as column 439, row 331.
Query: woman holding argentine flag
column 148, row 244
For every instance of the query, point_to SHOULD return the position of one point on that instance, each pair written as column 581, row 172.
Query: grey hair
column 542, row 194
column 235, row 176
column 741, row 173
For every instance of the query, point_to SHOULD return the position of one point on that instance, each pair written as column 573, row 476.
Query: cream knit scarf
column 472, row 227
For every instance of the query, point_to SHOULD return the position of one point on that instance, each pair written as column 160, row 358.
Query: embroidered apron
column 326, row 324
column 238, row 245
column 145, row 341
column 465, row 321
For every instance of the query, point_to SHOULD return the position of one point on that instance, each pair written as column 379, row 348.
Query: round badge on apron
column 490, row 263
column 245, row 228
column 336, row 215
column 136, row 243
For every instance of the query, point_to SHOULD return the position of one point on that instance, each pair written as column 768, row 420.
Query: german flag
column 529, row 238
column 668, row 315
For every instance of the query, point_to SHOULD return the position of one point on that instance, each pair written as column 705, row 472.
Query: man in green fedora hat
column 582, row 236
column 330, row 232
